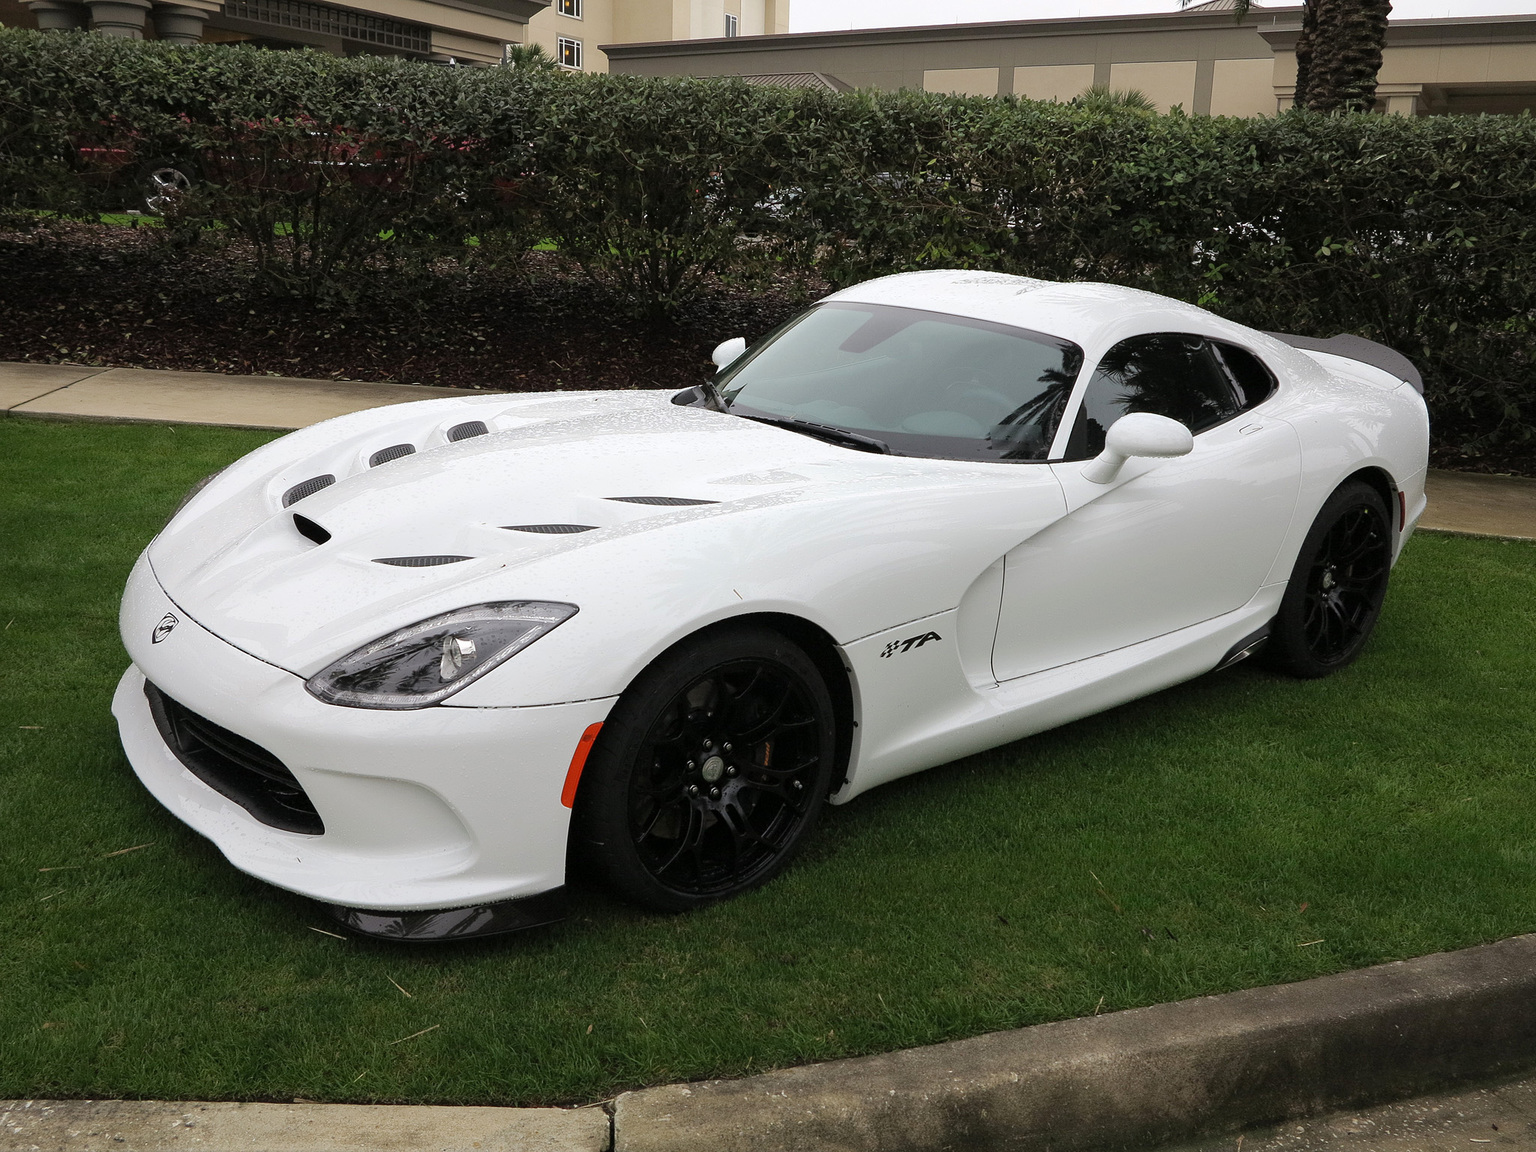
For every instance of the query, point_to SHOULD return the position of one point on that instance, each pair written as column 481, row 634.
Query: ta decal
column 908, row 644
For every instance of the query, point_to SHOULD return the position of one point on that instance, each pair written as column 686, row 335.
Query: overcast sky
column 823, row 15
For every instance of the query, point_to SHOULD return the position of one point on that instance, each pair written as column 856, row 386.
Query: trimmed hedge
column 1420, row 233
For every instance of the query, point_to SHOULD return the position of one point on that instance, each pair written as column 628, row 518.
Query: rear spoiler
column 1360, row 349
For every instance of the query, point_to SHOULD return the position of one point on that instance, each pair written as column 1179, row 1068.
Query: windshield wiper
column 823, row 432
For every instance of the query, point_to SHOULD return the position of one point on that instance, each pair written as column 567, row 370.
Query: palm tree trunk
column 1363, row 35
column 1304, row 47
column 1339, row 54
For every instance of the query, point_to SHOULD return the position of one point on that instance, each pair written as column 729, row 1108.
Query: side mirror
column 1138, row 434
column 729, row 352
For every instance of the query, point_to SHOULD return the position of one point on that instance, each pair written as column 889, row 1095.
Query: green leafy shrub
column 1420, row 233
column 332, row 168
column 655, row 183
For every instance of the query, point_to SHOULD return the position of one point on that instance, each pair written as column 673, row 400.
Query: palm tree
column 1101, row 99
column 1339, row 53
column 529, row 56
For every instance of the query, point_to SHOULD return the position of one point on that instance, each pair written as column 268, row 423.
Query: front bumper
column 432, row 809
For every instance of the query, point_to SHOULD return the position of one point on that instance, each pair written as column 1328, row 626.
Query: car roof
column 1088, row 314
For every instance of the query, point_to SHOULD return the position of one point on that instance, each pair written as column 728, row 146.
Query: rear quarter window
column 1251, row 380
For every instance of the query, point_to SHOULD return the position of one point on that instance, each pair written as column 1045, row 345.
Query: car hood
column 556, row 481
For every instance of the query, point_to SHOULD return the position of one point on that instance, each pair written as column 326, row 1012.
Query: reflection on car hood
column 553, row 477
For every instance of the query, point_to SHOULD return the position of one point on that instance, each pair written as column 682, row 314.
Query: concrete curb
column 172, row 1126
column 1130, row 1079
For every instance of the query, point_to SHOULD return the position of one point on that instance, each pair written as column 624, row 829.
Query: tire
column 709, row 773
column 1336, row 588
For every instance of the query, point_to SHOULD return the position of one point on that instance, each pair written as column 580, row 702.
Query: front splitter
column 444, row 924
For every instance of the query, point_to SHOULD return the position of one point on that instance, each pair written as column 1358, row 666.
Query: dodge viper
column 417, row 661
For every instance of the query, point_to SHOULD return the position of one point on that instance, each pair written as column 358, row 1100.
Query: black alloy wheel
column 1337, row 586
column 709, row 773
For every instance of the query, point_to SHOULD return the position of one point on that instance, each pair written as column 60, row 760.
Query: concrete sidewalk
column 139, row 395
column 1459, row 502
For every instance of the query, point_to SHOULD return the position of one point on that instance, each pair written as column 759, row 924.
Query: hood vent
column 662, row 501
column 551, row 529
column 421, row 561
column 307, row 488
column 393, row 452
column 309, row 529
column 467, row 429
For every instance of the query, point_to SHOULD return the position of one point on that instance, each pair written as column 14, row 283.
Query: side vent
column 467, row 429
column 309, row 529
column 551, row 529
column 421, row 561
column 662, row 501
column 393, row 452
column 307, row 488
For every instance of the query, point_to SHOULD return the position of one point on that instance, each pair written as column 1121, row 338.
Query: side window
column 1168, row 373
column 1253, row 382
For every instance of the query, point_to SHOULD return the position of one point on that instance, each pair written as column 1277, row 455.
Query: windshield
column 925, row 383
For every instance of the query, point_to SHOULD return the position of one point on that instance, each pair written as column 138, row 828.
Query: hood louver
column 393, row 452
column 551, row 529
column 467, row 429
column 420, row 561
column 661, row 501
column 307, row 488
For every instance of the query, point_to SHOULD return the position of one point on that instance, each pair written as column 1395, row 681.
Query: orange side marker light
column 578, row 762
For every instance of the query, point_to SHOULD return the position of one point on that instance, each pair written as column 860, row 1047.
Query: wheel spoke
column 767, row 724
column 693, row 833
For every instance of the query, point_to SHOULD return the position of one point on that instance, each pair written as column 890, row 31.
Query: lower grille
column 234, row 767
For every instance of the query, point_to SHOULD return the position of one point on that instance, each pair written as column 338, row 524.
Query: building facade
column 457, row 31
column 572, row 30
column 1201, row 60
column 447, row 31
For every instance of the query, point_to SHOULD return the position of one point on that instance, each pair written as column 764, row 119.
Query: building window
column 569, row 8
column 358, row 27
column 732, row 25
column 568, row 52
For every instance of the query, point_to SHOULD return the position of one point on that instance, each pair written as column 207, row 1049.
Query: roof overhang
column 1282, row 35
column 931, row 33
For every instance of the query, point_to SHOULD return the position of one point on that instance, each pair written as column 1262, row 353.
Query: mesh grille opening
column 467, row 429
column 234, row 767
column 307, row 488
column 420, row 561
column 393, row 452
column 663, row 501
column 551, row 529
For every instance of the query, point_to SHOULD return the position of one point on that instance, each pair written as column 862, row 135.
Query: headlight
column 430, row 661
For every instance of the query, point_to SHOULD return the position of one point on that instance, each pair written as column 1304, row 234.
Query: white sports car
column 413, row 661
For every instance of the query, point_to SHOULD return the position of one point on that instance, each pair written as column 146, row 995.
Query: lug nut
column 732, row 770
column 797, row 785
column 690, row 765
column 727, row 747
column 693, row 789
column 714, row 793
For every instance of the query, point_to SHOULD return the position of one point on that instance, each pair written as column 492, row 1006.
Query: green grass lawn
column 1236, row 831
